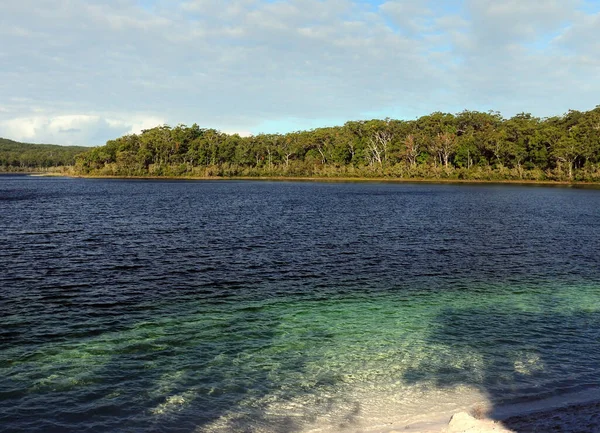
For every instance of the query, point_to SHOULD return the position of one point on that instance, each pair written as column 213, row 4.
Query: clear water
column 289, row 307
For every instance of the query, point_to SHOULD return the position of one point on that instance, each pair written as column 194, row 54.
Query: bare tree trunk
column 412, row 150
column 269, row 155
column 570, row 165
column 323, row 158
column 378, row 144
column 446, row 144
column 375, row 152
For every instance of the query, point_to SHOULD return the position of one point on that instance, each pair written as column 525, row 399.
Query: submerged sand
column 574, row 413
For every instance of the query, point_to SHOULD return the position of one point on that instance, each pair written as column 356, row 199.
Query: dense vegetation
column 468, row 145
column 15, row 156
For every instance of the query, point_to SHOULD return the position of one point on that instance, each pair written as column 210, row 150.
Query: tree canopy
column 466, row 145
column 15, row 156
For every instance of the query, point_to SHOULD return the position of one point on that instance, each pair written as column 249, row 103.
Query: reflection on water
column 161, row 306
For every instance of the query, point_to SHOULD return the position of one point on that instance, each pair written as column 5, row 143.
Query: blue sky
column 84, row 71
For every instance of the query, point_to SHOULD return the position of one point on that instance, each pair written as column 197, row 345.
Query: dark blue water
column 179, row 306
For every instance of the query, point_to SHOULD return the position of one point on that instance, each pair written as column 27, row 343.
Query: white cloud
column 140, row 123
column 241, row 64
column 577, row 36
column 410, row 16
column 240, row 133
column 77, row 129
column 517, row 21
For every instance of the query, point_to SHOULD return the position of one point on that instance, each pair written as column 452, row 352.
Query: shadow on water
column 517, row 358
column 212, row 370
column 179, row 370
column 202, row 372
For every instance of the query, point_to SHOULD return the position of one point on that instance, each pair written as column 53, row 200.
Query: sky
column 86, row 71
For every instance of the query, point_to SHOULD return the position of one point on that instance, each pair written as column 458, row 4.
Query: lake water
column 191, row 306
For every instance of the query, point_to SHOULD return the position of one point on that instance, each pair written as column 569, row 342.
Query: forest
column 467, row 145
column 15, row 156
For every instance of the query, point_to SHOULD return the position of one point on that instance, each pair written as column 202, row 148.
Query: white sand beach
column 578, row 418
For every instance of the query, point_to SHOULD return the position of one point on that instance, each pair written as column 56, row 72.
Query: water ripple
column 248, row 306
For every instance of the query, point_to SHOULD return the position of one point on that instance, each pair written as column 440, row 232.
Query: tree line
column 467, row 145
column 15, row 156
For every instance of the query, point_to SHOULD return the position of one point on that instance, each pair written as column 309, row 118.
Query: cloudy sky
column 85, row 71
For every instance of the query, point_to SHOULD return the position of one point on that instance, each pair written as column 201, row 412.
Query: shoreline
column 577, row 417
column 326, row 179
column 573, row 412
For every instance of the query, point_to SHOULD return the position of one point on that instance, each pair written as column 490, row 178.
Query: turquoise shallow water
column 368, row 305
column 301, row 361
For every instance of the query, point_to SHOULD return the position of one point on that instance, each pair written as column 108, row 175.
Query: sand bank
column 578, row 418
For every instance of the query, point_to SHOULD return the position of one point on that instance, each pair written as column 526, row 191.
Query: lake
column 219, row 306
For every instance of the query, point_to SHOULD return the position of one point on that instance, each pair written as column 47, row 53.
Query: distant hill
column 16, row 156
